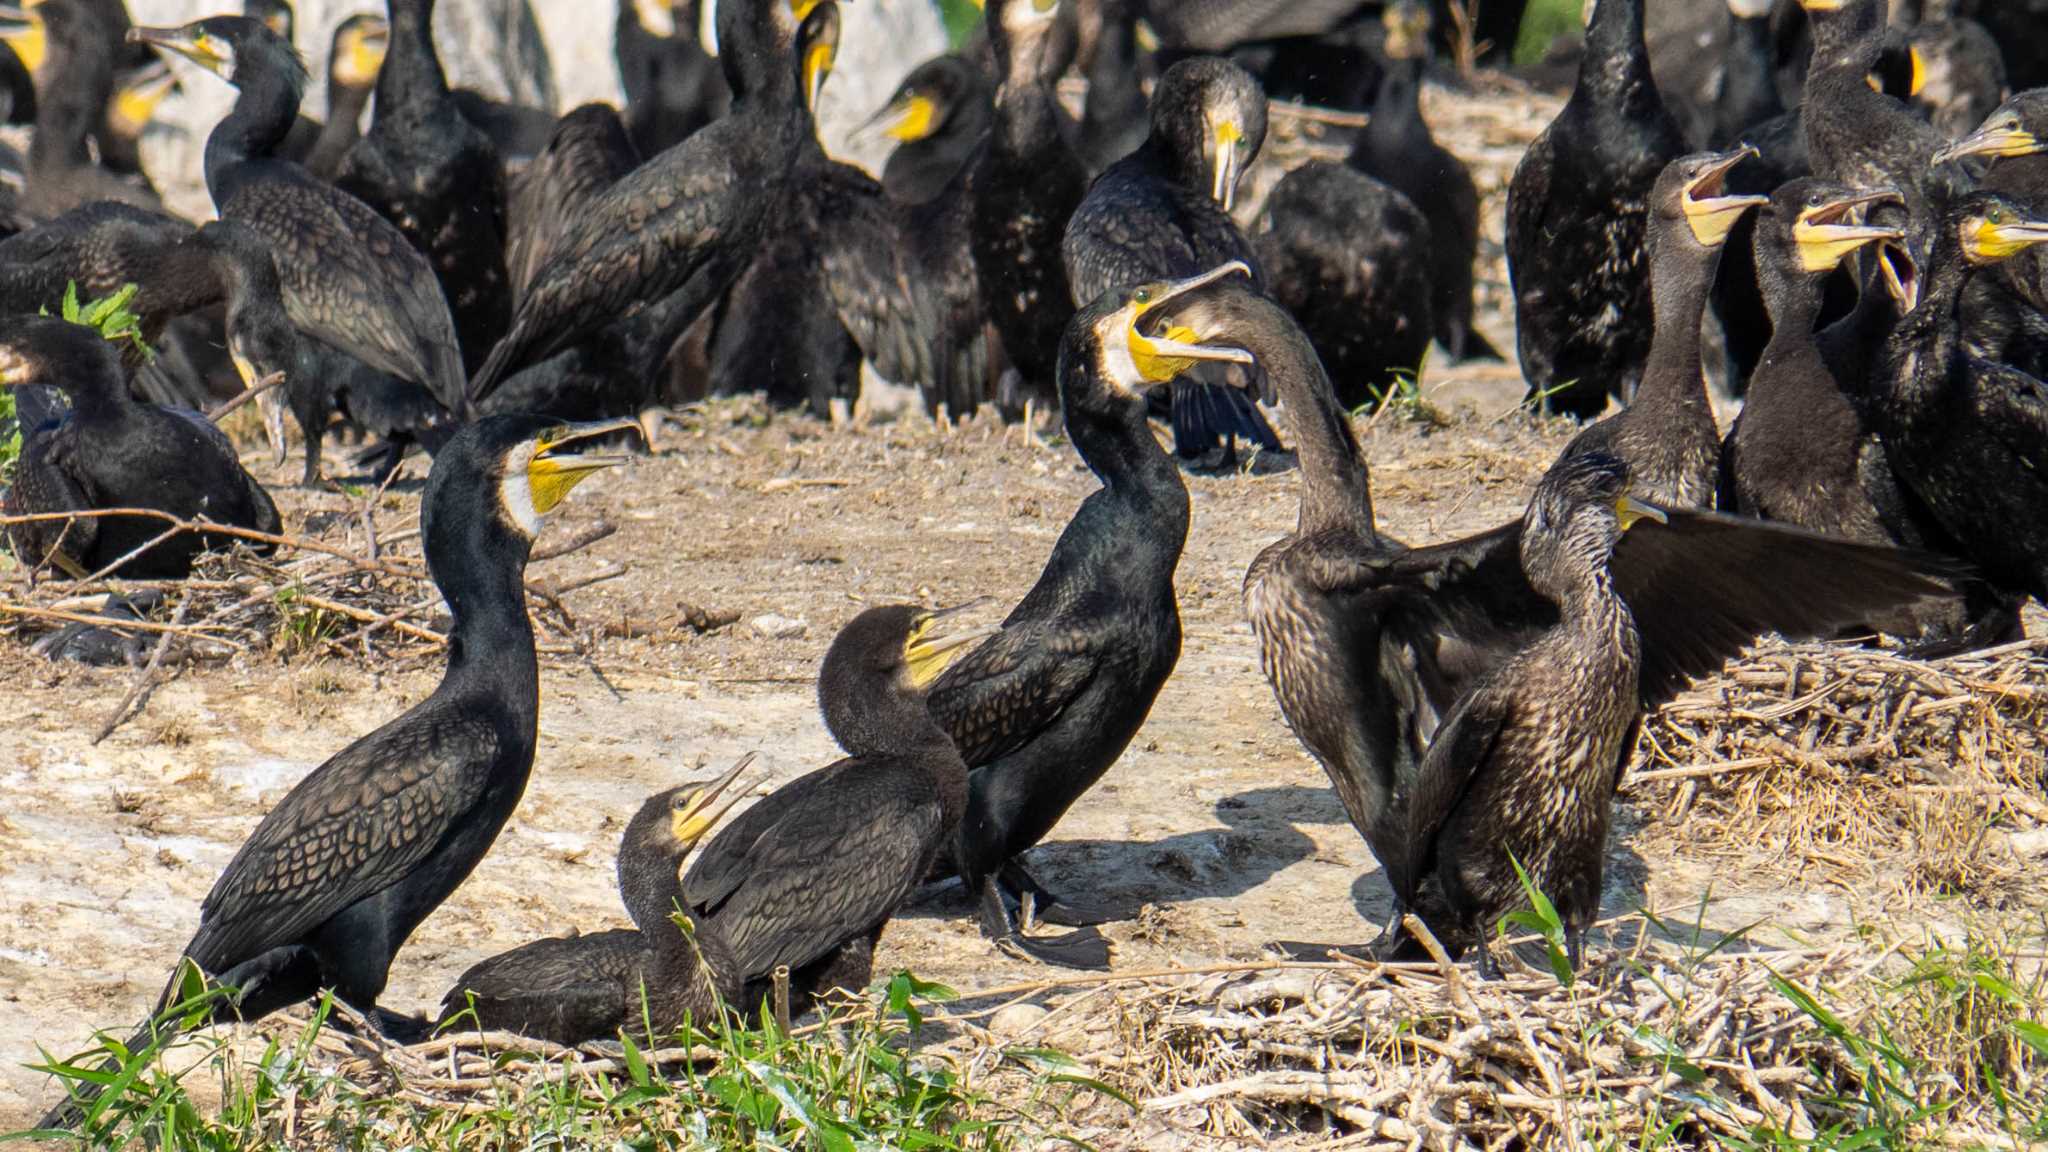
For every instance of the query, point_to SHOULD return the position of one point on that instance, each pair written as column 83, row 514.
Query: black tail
column 1205, row 414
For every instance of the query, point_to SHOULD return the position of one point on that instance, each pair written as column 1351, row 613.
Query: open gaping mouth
column 1709, row 208
column 1827, row 232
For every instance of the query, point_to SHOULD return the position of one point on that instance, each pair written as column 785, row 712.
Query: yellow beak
column 1711, row 214
column 1161, row 358
column 190, row 43
column 927, row 656
column 690, row 822
column 1630, row 510
column 2010, row 141
column 1827, row 232
column 551, row 473
column 1229, row 162
column 26, row 34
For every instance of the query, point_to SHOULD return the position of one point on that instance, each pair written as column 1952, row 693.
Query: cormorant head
column 1824, row 221
column 261, row 339
column 276, row 15
column 756, row 38
column 360, row 43
column 674, row 821
column 1695, row 189
column 817, row 41
column 234, row 48
column 891, row 653
column 47, row 350
column 927, row 98
column 2010, row 130
column 1901, row 274
column 1407, row 26
column 1107, row 335
column 1993, row 228
column 136, row 97
column 27, row 32
column 523, row 464
column 1020, row 35
column 1211, row 116
column 1577, row 514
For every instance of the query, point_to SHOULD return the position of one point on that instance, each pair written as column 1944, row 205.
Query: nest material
column 1857, row 762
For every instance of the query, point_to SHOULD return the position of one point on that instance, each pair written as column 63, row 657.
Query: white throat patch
column 515, row 492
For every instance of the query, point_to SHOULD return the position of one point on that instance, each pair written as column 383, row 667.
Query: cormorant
column 277, row 15
column 673, row 87
column 1522, row 772
column 335, row 878
column 1113, row 120
column 588, row 152
column 1397, row 149
column 2009, row 308
column 939, row 117
column 1368, row 643
column 808, row 876
column 113, row 451
column 435, row 176
column 75, row 82
column 1963, row 76
column 1577, row 213
column 1027, row 185
column 101, row 247
column 1968, row 435
column 1163, row 212
column 350, row 279
column 137, row 94
column 1352, row 259
column 353, row 65
column 1748, row 93
column 698, row 208
column 593, row 985
column 1667, row 435
column 1041, row 711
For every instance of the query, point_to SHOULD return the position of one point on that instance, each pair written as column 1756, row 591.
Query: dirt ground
column 1214, row 827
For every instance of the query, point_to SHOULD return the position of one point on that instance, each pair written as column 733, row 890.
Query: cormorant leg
column 1084, row 948
column 1575, row 944
column 1051, row 908
column 1485, row 965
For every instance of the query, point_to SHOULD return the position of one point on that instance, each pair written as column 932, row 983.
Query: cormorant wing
column 860, row 251
column 557, row 978
column 996, row 698
column 49, row 477
column 351, row 280
column 819, row 861
column 588, row 153
column 1704, row 586
column 1462, row 746
column 355, row 826
column 2014, row 406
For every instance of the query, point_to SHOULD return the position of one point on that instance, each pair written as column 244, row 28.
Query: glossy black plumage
column 1163, row 212
column 698, row 208
column 438, row 179
column 329, row 885
column 812, row 872
column 1352, row 260
column 112, row 451
column 1042, row 711
column 1397, row 149
column 1577, row 213
column 591, row 986
column 349, row 277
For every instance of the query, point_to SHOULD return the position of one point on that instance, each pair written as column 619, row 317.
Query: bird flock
column 1862, row 259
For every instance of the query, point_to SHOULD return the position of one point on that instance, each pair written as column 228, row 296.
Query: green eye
column 1996, row 215
column 1142, row 295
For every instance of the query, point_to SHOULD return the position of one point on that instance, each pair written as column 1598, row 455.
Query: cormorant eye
column 1142, row 296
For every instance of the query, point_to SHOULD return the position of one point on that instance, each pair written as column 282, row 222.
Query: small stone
column 1014, row 1019
column 773, row 627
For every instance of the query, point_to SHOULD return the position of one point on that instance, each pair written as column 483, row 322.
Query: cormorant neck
column 650, row 883
column 1617, row 60
column 411, row 76
column 68, row 107
column 1396, row 110
column 870, row 719
column 1749, row 82
column 480, row 568
column 1933, row 325
column 1336, row 486
column 183, row 280
column 758, row 57
column 265, row 108
column 96, row 389
column 345, row 105
column 1792, row 297
column 1681, row 273
column 1118, row 446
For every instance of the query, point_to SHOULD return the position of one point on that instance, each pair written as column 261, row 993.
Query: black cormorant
column 101, row 247
column 939, row 117
column 1962, row 79
column 1397, row 149
column 697, row 209
column 437, row 177
column 593, row 985
column 1667, row 435
column 1164, row 212
column 1041, row 711
column 330, row 884
column 1352, row 259
column 137, row 95
column 74, row 83
column 350, row 278
column 808, row 876
column 357, row 57
column 672, row 85
column 1577, row 212
column 113, row 451
column 2006, row 313
column 588, row 152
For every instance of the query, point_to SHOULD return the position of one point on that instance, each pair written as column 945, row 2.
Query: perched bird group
column 503, row 288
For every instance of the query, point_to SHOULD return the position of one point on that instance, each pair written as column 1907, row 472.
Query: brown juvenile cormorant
column 1667, row 435
column 436, row 177
column 695, row 210
column 939, row 117
column 335, row 878
column 113, row 451
column 1577, row 213
column 353, row 64
column 350, row 279
column 593, row 985
column 1397, row 149
column 1163, row 212
column 75, row 83
column 672, row 85
column 1027, row 184
column 1352, row 259
column 1367, row 642
column 1041, row 711
column 1967, row 435
column 1524, row 768
column 808, row 876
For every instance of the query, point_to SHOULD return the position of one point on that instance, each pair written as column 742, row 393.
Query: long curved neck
column 1397, row 110
column 1932, row 327
column 1025, row 110
column 650, row 883
column 490, row 645
column 1681, row 273
column 411, row 77
column 69, row 101
column 1616, row 64
column 261, row 118
column 1117, row 445
column 1336, row 487
column 1793, row 298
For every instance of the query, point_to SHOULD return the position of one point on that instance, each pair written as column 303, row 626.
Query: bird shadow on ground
column 1259, row 839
